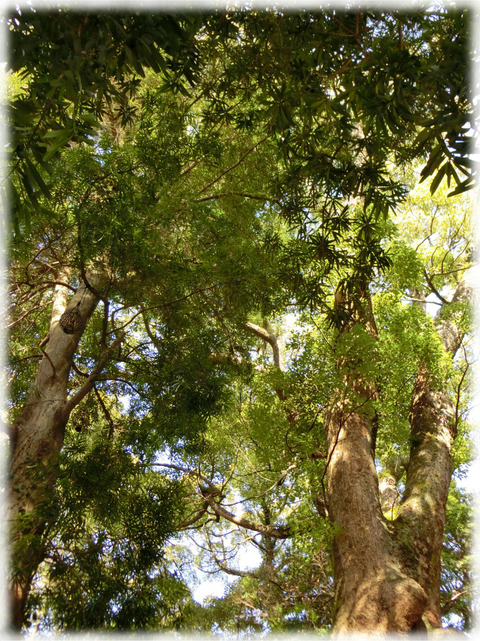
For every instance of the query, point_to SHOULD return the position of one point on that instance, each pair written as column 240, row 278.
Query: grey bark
column 38, row 437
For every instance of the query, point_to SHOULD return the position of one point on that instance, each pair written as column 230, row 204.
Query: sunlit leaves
column 261, row 186
column 78, row 68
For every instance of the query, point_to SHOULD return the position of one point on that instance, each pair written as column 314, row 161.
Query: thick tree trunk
column 38, row 434
column 421, row 517
column 373, row 593
column 388, row 573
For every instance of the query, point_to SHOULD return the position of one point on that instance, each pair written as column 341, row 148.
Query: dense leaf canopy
column 274, row 202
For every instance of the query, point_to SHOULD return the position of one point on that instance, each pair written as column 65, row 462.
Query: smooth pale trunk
column 37, row 437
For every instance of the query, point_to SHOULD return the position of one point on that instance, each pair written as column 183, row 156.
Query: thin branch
column 267, row 530
column 45, row 353
column 117, row 379
column 189, row 522
column 36, row 308
column 148, row 329
column 457, row 400
column 159, row 306
column 46, row 284
column 433, row 288
column 236, row 193
column 212, row 491
column 226, row 171
column 75, row 399
column 26, row 358
column 134, row 349
column 79, row 371
column 106, row 413
column 447, row 606
column 188, row 169
column 103, row 337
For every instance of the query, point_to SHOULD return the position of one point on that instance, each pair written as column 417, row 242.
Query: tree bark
column 421, row 518
column 388, row 573
column 38, row 434
column 373, row 593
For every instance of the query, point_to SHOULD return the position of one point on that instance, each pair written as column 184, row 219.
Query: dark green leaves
column 78, row 67
column 106, row 569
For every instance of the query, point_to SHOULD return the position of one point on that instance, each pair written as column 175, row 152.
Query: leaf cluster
column 77, row 68
column 104, row 566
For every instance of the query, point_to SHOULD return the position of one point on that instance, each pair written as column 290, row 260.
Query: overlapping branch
column 212, row 496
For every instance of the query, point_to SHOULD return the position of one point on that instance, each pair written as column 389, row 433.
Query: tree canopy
column 229, row 232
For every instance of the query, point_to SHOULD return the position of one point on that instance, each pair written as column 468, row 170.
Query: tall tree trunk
column 387, row 574
column 37, row 435
column 373, row 593
column 421, row 518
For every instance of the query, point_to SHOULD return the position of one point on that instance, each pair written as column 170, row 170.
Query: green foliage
column 219, row 169
column 78, row 68
column 104, row 566
column 456, row 589
column 406, row 268
column 328, row 118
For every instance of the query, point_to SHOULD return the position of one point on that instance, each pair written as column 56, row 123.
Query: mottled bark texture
column 387, row 572
column 373, row 593
column 38, row 434
column 421, row 518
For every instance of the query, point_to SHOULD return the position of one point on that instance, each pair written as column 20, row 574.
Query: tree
column 96, row 238
column 218, row 206
column 416, row 369
column 102, row 57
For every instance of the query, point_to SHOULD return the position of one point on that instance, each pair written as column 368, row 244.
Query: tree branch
column 273, row 340
column 448, row 331
column 159, row 306
column 106, row 413
column 448, row 605
column 209, row 494
column 75, row 399
column 433, row 289
column 266, row 530
column 186, row 524
column 235, row 193
column 226, row 171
